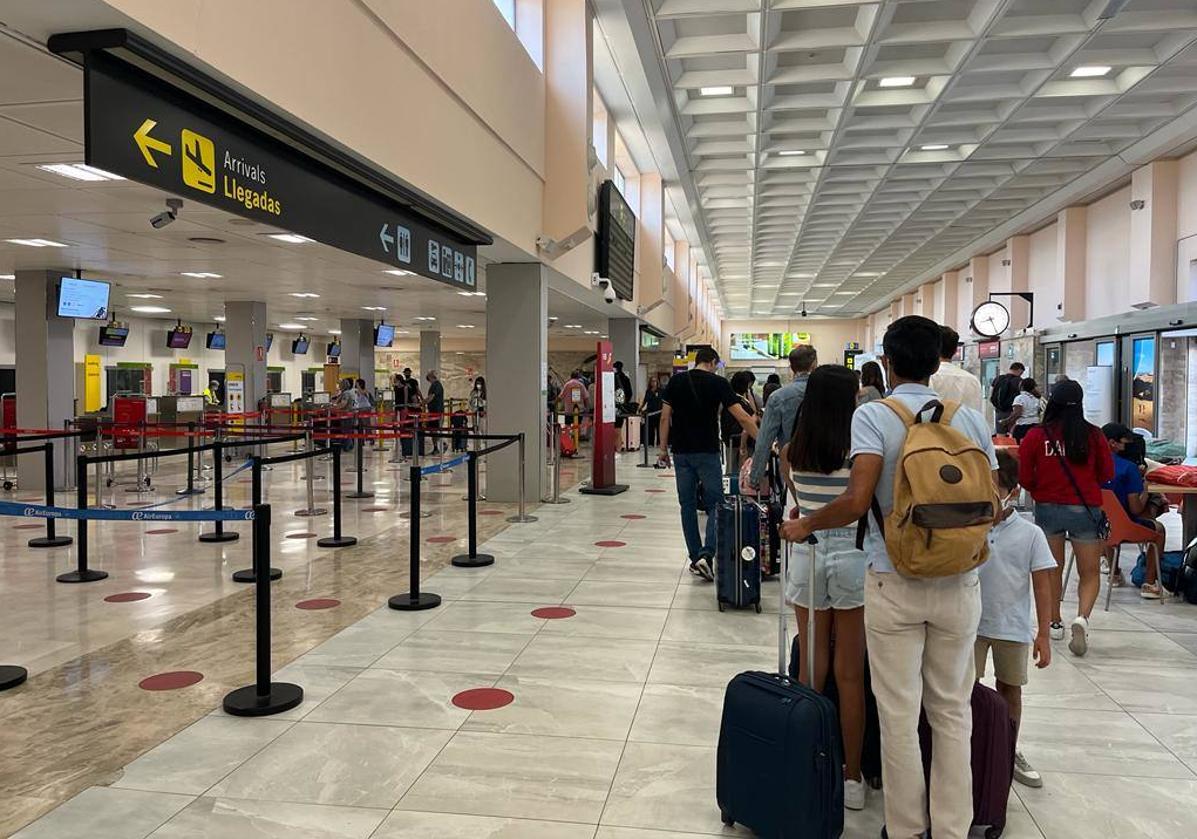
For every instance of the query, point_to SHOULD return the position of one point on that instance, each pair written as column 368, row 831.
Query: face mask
column 1010, row 501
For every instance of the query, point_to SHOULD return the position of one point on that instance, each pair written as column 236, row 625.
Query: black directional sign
column 148, row 131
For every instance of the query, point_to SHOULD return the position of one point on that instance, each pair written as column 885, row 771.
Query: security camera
column 173, row 205
column 605, row 285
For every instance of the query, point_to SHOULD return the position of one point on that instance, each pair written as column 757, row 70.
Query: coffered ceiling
column 840, row 150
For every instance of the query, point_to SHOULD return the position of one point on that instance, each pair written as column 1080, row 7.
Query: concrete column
column 1018, row 252
column 430, row 353
column 517, row 313
column 624, row 334
column 895, row 311
column 245, row 347
column 908, row 304
column 1153, row 235
column 978, row 284
column 45, row 350
column 1070, row 262
column 925, row 302
column 949, row 286
column 357, row 349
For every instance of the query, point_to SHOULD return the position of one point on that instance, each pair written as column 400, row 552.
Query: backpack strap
column 905, row 414
column 948, row 409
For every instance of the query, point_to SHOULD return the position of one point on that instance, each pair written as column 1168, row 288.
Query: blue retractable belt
column 441, row 467
column 41, row 511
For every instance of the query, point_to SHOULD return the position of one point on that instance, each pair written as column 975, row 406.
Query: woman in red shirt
column 1063, row 464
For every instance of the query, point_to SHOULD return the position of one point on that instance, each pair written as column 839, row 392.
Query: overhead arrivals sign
column 149, row 131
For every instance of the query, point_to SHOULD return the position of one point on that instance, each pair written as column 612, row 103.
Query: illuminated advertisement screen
column 764, row 346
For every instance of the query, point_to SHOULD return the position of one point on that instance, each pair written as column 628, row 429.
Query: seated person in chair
column 1131, row 490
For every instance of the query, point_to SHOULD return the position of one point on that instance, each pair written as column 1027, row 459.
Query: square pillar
column 245, row 347
column 517, row 314
column 1153, row 235
column 1018, row 252
column 625, row 347
column 357, row 349
column 45, row 351
column 430, row 354
column 1071, row 245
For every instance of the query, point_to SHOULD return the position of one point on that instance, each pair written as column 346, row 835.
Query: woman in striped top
column 817, row 455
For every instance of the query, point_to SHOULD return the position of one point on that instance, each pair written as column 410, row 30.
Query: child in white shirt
column 1019, row 558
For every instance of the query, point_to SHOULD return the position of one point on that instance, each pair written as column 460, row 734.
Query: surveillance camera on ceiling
column 173, row 205
column 605, row 285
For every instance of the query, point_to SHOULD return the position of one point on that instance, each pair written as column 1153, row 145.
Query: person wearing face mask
column 1019, row 561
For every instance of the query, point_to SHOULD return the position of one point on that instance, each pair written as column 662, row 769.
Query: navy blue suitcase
column 779, row 766
column 738, row 553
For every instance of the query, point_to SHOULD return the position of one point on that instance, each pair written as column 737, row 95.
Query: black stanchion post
column 360, row 492
column 250, row 575
column 51, row 539
column 218, row 535
column 264, row 697
column 643, row 464
column 81, row 574
column 190, row 489
column 11, row 676
column 414, row 600
column 336, row 540
column 473, row 559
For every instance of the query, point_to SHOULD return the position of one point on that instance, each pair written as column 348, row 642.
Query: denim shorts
column 839, row 572
column 1072, row 520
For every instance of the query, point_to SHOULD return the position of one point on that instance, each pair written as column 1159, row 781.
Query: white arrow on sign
column 385, row 238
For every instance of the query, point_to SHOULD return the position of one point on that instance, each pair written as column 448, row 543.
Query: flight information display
column 83, row 299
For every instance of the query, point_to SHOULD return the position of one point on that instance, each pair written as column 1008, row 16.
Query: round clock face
column 991, row 319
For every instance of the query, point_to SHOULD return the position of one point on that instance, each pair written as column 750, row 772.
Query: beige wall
column 1042, row 276
column 1108, row 276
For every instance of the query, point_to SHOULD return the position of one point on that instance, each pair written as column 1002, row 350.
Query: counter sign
column 149, row 131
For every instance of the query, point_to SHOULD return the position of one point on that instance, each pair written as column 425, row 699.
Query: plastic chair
column 1123, row 531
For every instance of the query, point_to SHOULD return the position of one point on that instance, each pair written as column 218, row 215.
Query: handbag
column 1101, row 521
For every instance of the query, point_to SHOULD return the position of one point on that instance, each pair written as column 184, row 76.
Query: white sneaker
column 1057, row 631
column 1078, row 642
column 1026, row 774
column 854, row 795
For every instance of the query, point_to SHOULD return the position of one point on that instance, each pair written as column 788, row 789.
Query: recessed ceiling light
column 824, row 285
column 790, row 153
column 374, row 308
column 896, row 81
column 397, row 272
column 290, row 326
column 402, row 332
column 145, row 296
column 573, row 326
column 37, row 243
column 867, row 274
column 717, row 90
column 552, row 318
column 290, row 238
column 602, row 336
column 305, row 294
column 149, row 310
column 79, row 172
column 218, row 318
column 591, row 332
column 466, row 293
column 425, row 317
column 1089, row 71
column 334, row 332
column 305, row 318
column 465, row 326
column 8, row 276
column 845, row 292
column 201, row 275
column 934, row 147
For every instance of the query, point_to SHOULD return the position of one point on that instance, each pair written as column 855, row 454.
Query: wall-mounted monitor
column 384, row 334
column 215, row 341
column 113, row 336
column 87, row 299
column 764, row 346
column 334, row 350
column 269, row 340
column 179, row 338
column 615, row 254
column 300, row 345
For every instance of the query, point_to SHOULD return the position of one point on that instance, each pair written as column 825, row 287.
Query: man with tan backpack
column 922, row 489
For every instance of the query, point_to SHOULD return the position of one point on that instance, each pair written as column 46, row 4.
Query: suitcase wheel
column 994, row 832
column 727, row 820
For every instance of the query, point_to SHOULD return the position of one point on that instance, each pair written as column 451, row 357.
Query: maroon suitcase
column 993, row 745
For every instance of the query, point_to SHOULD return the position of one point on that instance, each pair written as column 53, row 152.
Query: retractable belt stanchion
column 336, row 540
column 250, row 575
column 472, row 559
column 310, row 477
column 415, row 477
column 522, row 517
column 11, row 676
column 143, row 478
column 81, row 574
column 644, row 464
column 191, row 488
column 555, row 447
column 51, row 539
column 414, row 600
column 264, row 697
column 219, row 534
column 360, row 492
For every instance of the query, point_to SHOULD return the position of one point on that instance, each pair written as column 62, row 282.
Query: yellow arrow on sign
column 145, row 142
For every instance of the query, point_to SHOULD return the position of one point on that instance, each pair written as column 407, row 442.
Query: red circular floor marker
column 490, row 512
column 302, row 535
column 665, row 475
column 633, row 516
column 440, row 540
column 553, row 613
column 483, row 699
column 172, row 680
column 318, row 603
column 26, row 527
column 127, row 597
column 609, row 543
column 161, row 531
column 375, row 509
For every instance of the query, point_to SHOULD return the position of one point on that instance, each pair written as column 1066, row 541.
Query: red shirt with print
column 1040, row 472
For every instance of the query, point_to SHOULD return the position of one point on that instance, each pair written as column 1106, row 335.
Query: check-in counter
column 177, row 411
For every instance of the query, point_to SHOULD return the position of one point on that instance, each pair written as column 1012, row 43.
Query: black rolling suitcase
column 738, row 553
column 779, row 766
column 459, row 423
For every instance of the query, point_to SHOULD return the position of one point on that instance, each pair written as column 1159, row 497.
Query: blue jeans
column 689, row 470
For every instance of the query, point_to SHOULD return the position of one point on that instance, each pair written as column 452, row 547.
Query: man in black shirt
column 690, row 419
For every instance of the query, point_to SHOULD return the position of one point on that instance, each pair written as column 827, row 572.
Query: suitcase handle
column 810, row 613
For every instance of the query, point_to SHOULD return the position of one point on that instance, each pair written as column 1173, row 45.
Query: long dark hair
column 480, row 381
column 1067, row 424
column 870, row 374
column 823, row 431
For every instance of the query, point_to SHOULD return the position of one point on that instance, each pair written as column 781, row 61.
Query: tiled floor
column 611, row 734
